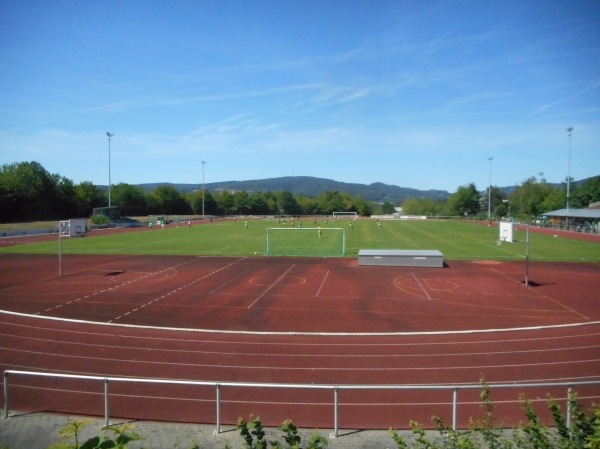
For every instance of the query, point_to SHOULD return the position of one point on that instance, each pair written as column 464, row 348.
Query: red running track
column 319, row 321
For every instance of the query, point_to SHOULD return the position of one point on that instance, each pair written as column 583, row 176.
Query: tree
column 587, row 193
column 529, row 199
column 169, row 200
column 286, row 203
column 28, row 192
column 225, row 202
column 388, row 208
column 308, row 206
column 130, row 199
column 362, row 207
column 88, row 196
column 259, row 203
column 464, row 202
column 195, row 201
column 241, row 202
column 422, row 206
column 497, row 198
column 66, row 198
column 331, row 201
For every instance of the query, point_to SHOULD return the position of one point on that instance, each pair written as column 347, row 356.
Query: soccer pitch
column 455, row 239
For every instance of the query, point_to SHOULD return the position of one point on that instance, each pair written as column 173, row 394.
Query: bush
column 101, row 220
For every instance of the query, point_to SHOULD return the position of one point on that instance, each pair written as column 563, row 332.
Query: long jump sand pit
column 293, row 320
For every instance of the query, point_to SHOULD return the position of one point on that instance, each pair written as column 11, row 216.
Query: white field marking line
column 322, row 284
column 141, row 246
column 541, row 295
column 114, row 287
column 505, row 250
column 288, row 354
column 182, row 287
column 303, row 333
column 304, row 368
column 344, row 345
column 271, row 286
column 218, row 250
column 291, row 344
column 528, row 380
column 421, row 286
column 225, row 284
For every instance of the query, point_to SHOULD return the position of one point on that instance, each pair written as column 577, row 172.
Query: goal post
column 331, row 242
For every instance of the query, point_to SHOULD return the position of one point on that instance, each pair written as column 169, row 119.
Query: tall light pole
column 203, row 164
column 109, row 135
column 569, row 130
column 490, row 191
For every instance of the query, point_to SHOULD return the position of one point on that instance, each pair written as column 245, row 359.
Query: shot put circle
column 410, row 285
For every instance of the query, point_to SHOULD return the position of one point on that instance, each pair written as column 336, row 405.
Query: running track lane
column 36, row 344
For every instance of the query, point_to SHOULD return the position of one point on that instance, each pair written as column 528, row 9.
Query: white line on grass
column 139, row 246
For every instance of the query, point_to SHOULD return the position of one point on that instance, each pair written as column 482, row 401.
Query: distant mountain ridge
column 312, row 187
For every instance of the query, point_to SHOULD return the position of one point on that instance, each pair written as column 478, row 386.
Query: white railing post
column 454, row 407
column 218, row 407
column 569, row 392
column 106, row 418
column 335, row 433
column 5, row 394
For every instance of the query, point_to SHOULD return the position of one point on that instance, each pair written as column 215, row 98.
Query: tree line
column 530, row 199
column 28, row 192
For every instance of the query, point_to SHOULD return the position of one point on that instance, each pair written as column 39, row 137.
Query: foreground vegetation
column 29, row 193
column 582, row 432
column 457, row 240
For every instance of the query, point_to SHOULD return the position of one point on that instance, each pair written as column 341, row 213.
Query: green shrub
column 101, row 220
column 70, row 434
column 583, row 432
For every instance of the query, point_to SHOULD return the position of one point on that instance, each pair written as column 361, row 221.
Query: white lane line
column 165, row 295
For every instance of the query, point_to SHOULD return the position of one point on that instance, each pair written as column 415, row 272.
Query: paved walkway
column 40, row 430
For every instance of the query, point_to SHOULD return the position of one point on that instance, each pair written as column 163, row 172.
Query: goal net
column 338, row 215
column 330, row 242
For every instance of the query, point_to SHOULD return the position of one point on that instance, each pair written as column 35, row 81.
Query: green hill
column 313, row 187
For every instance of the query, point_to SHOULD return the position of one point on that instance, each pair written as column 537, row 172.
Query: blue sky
column 412, row 93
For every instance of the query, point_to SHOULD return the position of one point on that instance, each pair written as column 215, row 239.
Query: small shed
column 75, row 227
column 401, row 257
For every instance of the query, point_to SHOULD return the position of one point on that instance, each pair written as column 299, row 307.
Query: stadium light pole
column 109, row 135
column 490, row 191
column 569, row 130
column 203, row 164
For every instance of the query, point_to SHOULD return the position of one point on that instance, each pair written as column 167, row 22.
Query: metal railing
column 334, row 388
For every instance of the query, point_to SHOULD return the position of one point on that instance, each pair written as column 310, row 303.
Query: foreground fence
column 335, row 389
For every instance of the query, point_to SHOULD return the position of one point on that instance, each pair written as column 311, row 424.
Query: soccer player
column 319, row 232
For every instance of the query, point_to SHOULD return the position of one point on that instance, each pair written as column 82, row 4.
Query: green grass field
column 455, row 239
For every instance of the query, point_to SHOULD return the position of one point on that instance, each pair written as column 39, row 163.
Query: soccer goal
column 338, row 215
column 330, row 242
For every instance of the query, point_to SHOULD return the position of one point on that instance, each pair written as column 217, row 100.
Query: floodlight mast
column 203, row 164
column 569, row 130
column 109, row 135
column 490, row 191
